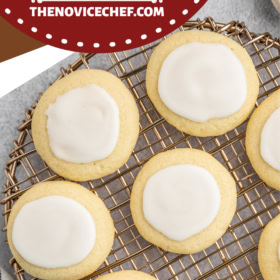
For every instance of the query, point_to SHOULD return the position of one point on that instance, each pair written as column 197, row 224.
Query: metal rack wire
column 234, row 256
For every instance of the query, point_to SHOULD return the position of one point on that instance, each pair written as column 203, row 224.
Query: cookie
column 86, row 125
column 60, row 230
column 203, row 83
column 127, row 275
column 269, row 250
column 265, row 159
column 183, row 200
column 276, row 4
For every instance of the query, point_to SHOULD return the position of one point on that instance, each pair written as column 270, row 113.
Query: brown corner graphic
column 14, row 42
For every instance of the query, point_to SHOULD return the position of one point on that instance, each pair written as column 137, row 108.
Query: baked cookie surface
column 128, row 125
column 127, row 275
column 211, row 127
column 210, row 234
column 256, row 124
column 268, row 258
column 104, row 229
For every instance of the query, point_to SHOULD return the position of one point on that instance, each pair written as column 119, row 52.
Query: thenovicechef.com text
column 97, row 11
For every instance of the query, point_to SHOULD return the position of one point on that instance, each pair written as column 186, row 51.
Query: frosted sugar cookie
column 203, row 83
column 183, row 200
column 269, row 250
column 60, row 230
column 86, row 125
column 263, row 140
column 127, row 275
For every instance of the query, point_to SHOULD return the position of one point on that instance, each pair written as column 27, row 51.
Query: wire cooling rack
column 234, row 256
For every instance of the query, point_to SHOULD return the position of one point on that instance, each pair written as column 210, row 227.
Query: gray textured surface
column 259, row 15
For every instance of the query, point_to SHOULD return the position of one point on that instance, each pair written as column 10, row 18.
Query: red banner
column 98, row 25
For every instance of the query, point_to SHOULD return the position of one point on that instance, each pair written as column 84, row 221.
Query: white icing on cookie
column 181, row 200
column 202, row 81
column 83, row 125
column 270, row 140
column 53, row 232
